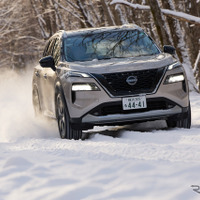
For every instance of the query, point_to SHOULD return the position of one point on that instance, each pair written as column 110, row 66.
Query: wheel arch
column 59, row 88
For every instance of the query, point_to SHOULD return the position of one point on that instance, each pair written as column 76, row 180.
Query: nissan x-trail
column 109, row 76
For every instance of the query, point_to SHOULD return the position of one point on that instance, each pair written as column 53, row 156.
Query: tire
column 182, row 122
column 36, row 103
column 63, row 119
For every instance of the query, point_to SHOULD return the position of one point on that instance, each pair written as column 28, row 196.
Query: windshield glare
column 107, row 45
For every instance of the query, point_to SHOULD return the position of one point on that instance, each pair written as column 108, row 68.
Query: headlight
column 174, row 78
column 76, row 74
column 174, row 65
column 84, row 87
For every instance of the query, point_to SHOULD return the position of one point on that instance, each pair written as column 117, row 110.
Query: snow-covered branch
column 175, row 14
column 133, row 5
column 182, row 16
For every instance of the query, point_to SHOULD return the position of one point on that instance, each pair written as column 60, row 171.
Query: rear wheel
column 63, row 119
column 182, row 122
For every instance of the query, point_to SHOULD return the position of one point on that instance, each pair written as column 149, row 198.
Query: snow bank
column 139, row 162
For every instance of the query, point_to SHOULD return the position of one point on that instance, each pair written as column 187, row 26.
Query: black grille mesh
column 116, row 84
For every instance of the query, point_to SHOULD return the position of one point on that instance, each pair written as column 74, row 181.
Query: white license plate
column 134, row 103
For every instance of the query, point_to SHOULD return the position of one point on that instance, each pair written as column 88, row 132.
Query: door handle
column 45, row 76
column 37, row 73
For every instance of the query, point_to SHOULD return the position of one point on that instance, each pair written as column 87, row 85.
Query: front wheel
column 63, row 119
column 182, row 122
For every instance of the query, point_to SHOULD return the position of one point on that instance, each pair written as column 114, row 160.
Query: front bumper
column 93, row 118
column 84, row 106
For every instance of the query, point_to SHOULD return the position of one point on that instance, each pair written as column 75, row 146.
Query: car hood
column 123, row 64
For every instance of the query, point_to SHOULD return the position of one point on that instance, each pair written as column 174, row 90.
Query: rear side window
column 56, row 51
column 46, row 49
column 49, row 48
column 53, row 49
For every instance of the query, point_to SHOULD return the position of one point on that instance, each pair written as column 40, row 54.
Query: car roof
column 64, row 34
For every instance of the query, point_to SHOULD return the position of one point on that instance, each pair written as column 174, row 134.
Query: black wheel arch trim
column 59, row 87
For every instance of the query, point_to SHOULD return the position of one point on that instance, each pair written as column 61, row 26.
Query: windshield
column 107, row 45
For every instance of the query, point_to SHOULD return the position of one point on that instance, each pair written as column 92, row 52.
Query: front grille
column 116, row 108
column 116, row 83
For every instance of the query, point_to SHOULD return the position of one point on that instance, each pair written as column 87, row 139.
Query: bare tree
column 25, row 25
column 159, row 22
column 19, row 42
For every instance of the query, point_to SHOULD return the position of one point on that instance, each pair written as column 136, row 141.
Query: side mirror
column 169, row 49
column 48, row 62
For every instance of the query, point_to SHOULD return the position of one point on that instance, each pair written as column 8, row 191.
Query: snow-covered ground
column 143, row 161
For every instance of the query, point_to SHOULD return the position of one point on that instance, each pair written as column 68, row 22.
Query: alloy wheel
column 61, row 116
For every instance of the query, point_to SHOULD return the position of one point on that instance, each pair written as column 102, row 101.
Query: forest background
column 25, row 25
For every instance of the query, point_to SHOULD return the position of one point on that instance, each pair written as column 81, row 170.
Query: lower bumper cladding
column 117, row 118
column 101, row 116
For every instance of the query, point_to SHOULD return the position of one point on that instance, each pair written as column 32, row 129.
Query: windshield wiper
column 120, row 57
column 104, row 58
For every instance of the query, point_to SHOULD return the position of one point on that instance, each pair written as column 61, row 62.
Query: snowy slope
column 143, row 161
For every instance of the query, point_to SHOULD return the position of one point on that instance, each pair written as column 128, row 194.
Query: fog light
column 174, row 78
column 84, row 87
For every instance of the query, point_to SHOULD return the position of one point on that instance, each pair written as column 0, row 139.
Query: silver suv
column 109, row 76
